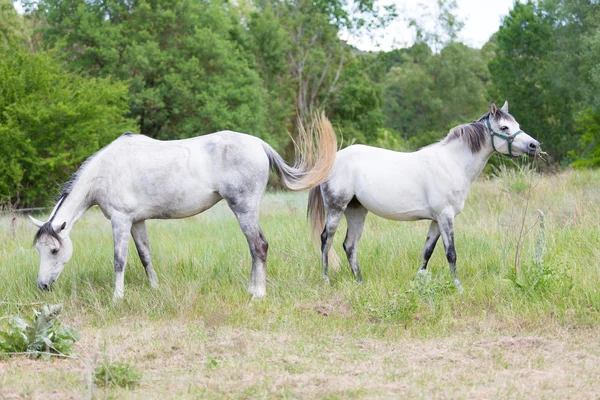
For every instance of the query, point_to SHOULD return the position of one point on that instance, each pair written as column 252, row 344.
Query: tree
column 540, row 67
column 446, row 25
column 10, row 24
column 187, row 73
column 426, row 94
column 304, row 63
column 50, row 122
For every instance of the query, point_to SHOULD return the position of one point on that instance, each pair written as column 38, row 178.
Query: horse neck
column 72, row 206
column 471, row 163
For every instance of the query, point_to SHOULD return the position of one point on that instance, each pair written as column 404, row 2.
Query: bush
column 50, row 122
column 40, row 336
column 117, row 374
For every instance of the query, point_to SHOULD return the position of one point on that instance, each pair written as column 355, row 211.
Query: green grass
column 199, row 335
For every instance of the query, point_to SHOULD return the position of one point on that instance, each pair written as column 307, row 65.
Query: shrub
column 40, row 336
column 111, row 374
column 50, row 122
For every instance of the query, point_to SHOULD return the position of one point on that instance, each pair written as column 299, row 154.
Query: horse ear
column 36, row 222
column 63, row 226
column 493, row 109
column 505, row 107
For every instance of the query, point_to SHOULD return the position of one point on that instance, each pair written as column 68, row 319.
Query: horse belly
column 396, row 210
column 180, row 203
column 394, row 200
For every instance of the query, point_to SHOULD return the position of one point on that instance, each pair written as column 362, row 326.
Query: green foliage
column 538, row 279
column 389, row 307
column 356, row 107
column 112, row 374
column 38, row 336
column 306, row 67
column 388, row 140
column 10, row 23
column 429, row 290
column 587, row 123
column 446, row 24
column 544, row 64
column 50, row 121
column 541, row 280
column 515, row 176
column 425, row 92
column 187, row 73
column 269, row 44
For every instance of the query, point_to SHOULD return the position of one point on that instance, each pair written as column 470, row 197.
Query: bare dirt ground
column 205, row 359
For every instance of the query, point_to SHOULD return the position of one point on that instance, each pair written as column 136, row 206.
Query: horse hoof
column 326, row 279
column 154, row 285
column 256, row 293
column 458, row 286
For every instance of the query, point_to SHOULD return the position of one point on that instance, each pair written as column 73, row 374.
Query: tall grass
column 203, row 265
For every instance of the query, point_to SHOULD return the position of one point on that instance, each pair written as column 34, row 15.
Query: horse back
column 179, row 178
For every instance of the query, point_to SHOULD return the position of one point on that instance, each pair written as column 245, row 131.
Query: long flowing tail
column 313, row 160
column 316, row 215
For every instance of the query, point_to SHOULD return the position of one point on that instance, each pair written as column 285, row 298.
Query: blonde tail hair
column 313, row 159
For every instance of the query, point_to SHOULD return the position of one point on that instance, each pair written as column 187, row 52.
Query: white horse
column 136, row 178
column 432, row 183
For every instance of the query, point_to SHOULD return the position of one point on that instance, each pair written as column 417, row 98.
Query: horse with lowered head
column 136, row 178
column 432, row 183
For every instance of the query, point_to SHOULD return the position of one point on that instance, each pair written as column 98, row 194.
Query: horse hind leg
column 356, row 215
column 142, row 244
column 432, row 237
column 335, row 205
column 248, row 219
column 331, row 225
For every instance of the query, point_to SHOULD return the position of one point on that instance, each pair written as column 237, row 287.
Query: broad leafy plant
column 38, row 336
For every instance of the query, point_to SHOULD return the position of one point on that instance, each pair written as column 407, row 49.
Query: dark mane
column 66, row 190
column 47, row 229
column 68, row 186
column 476, row 133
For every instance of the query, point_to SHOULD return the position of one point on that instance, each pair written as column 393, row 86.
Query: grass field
column 525, row 326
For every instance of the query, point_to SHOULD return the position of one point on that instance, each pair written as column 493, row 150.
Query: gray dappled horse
column 432, row 183
column 136, row 178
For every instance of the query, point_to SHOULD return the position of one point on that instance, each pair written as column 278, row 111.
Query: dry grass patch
column 188, row 359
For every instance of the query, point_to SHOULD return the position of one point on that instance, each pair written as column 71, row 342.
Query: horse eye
column 504, row 128
column 54, row 251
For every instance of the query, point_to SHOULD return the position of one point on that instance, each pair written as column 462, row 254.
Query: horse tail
column 316, row 214
column 313, row 160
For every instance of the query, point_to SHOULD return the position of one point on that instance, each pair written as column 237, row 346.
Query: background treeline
column 75, row 74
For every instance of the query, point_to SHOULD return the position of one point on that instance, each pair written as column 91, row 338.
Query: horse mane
column 65, row 191
column 46, row 229
column 476, row 133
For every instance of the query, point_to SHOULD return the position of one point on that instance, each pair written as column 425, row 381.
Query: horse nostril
column 533, row 146
column 43, row 286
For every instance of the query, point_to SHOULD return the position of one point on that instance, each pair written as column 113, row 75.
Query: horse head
column 507, row 136
column 53, row 243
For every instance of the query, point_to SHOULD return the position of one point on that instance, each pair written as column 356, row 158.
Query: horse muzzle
column 533, row 149
column 45, row 286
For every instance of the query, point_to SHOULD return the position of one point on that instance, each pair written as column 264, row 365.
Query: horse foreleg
column 355, row 216
column 142, row 244
column 331, row 224
column 432, row 237
column 446, row 226
column 259, row 247
column 121, row 228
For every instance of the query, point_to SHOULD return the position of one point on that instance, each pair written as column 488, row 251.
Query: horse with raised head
column 432, row 183
column 136, row 178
